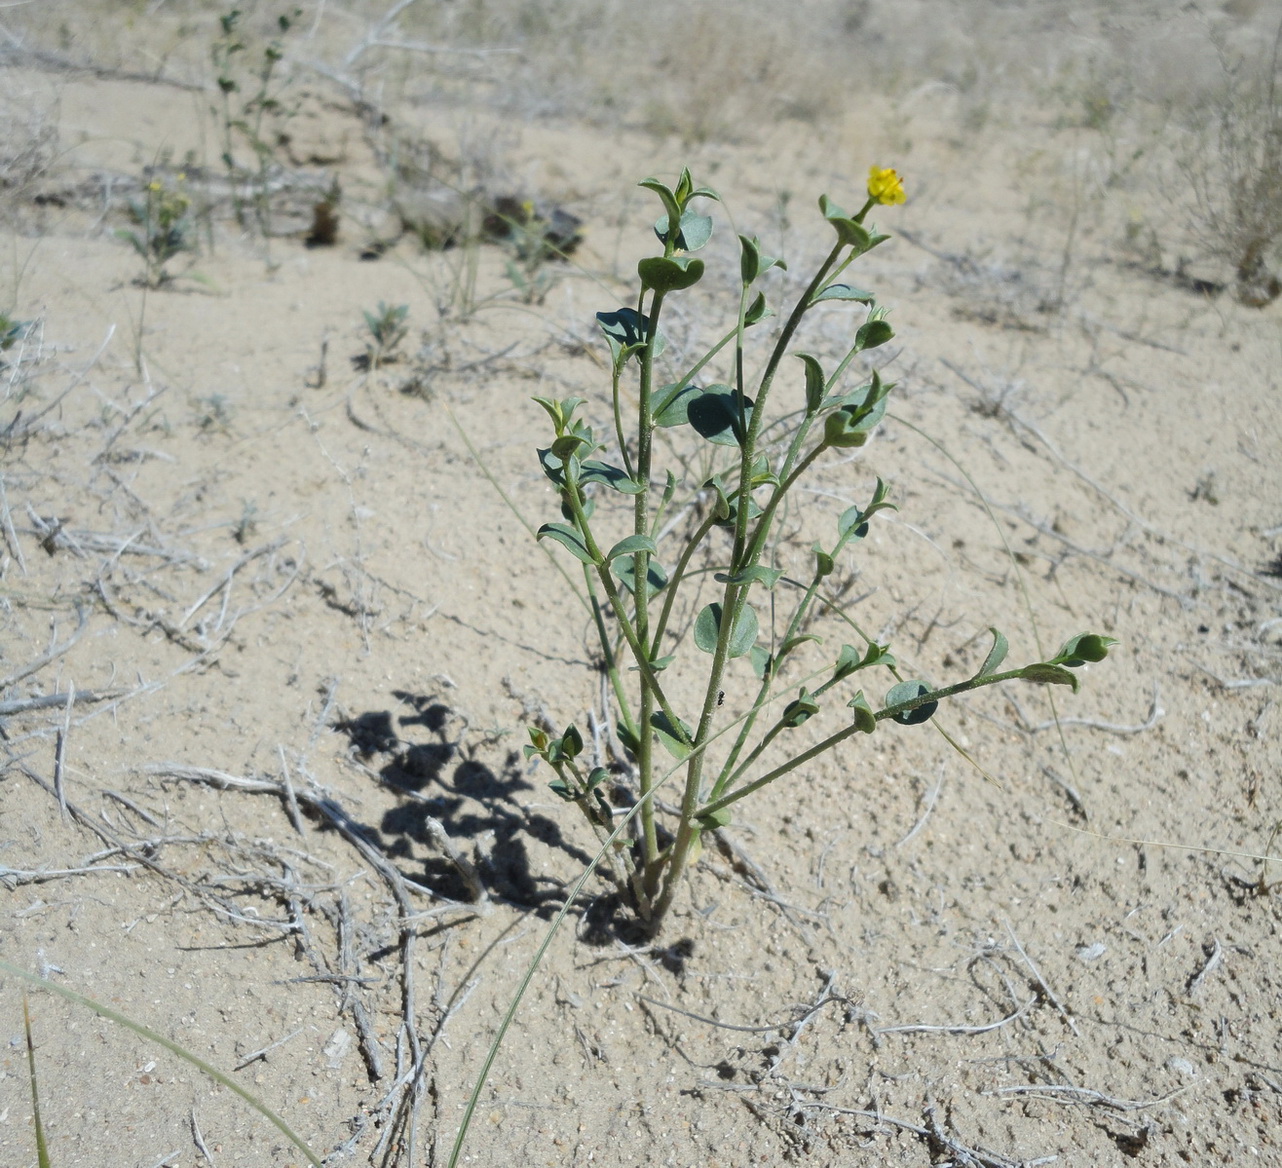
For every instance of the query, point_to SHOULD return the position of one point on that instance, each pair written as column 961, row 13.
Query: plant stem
column 840, row 736
column 733, row 597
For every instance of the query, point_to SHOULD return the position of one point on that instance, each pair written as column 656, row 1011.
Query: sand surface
column 270, row 635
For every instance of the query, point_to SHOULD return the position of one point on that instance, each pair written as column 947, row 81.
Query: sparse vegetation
column 266, row 636
column 251, row 110
column 163, row 228
column 387, row 329
column 1236, row 175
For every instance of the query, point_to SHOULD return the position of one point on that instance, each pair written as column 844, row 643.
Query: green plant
column 633, row 581
column 534, row 242
column 163, row 228
column 387, row 329
column 12, row 331
column 250, row 94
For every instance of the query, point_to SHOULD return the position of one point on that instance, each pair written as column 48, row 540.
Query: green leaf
column 850, row 660
column 799, row 711
column 597, row 776
column 671, row 738
column 881, row 494
column 671, row 404
column 848, row 231
column 669, row 199
column 593, row 471
column 561, row 412
column 753, row 262
column 630, row 546
column 873, row 333
column 843, row 292
column 789, row 645
column 568, row 538
column 627, row 739
column 757, row 311
column 571, row 742
column 562, row 788
column 907, row 691
column 815, row 381
column 757, row 574
column 670, row 273
column 854, row 421
column 695, row 230
column 1083, row 648
column 1046, row 673
column 825, row 565
column 707, row 630
column 996, row 655
column 761, row 661
column 715, row 414
column 865, row 719
column 625, row 332
column 852, row 526
column 567, row 445
column 721, row 817
column 655, row 577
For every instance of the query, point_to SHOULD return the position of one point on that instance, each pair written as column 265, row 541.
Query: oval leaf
column 695, row 231
column 907, row 691
column 707, row 630
column 1045, row 673
column 715, row 414
column 670, row 274
column 676, row 743
column 630, row 546
column 568, row 538
column 1082, row 648
column 844, row 292
column 671, row 404
column 655, row 577
column 593, row 471
column 873, row 333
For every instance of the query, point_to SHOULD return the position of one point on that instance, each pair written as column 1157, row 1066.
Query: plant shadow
column 419, row 754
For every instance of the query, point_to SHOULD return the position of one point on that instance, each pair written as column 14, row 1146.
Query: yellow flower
column 885, row 186
column 155, row 185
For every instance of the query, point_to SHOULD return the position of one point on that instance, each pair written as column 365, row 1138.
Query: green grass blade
column 171, row 1046
column 42, row 1148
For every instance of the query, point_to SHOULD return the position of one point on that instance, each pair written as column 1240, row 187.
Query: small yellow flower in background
column 885, row 186
column 155, row 185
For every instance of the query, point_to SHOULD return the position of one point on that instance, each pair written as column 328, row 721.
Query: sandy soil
column 269, row 640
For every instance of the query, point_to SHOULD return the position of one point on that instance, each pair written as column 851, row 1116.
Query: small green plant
column 12, row 331
column 162, row 228
column 214, row 413
column 250, row 92
column 633, row 579
column 534, row 243
column 387, row 329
